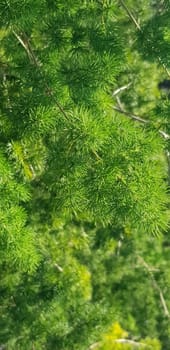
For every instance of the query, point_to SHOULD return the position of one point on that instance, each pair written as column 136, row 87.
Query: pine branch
column 162, row 299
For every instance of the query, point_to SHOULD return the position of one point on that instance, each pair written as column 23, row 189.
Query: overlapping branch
column 24, row 41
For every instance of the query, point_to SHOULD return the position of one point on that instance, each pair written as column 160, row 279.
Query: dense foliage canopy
column 84, row 174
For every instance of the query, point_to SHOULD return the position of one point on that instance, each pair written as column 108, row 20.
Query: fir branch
column 155, row 285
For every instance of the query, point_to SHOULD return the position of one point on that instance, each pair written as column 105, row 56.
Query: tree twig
column 26, row 45
column 137, row 25
column 122, row 88
column 96, row 154
column 162, row 299
column 129, row 341
column 168, row 162
column 120, row 341
column 141, row 120
column 119, row 103
column 94, row 346
column 6, row 92
column 130, row 115
column 164, row 66
column 24, row 41
column 130, row 15
column 58, row 267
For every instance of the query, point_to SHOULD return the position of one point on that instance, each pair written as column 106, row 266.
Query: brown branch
column 162, row 299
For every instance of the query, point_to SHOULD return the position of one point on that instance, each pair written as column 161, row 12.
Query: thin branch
column 26, row 45
column 122, row 88
column 33, row 59
column 162, row 299
column 6, row 92
column 168, row 162
column 119, row 341
column 59, row 268
column 130, row 15
column 164, row 67
column 164, row 134
column 94, row 346
column 128, row 341
column 133, row 19
column 51, row 93
column 119, row 103
column 141, row 120
column 96, row 154
column 130, row 115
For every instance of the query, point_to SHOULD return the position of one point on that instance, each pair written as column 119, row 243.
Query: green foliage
column 154, row 39
column 115, row 339
column 110, row 172
column 84, row 189
column 17, row 239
